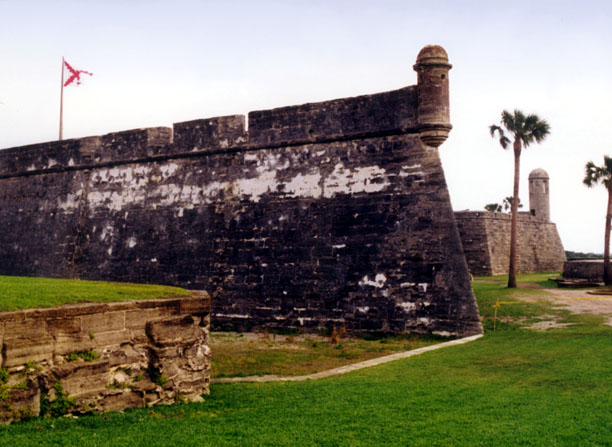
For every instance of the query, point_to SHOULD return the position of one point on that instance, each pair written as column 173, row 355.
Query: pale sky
column 156, row 63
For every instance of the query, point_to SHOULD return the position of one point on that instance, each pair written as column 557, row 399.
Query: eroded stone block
column 62, row 326
column 103, row 322
column 174, row 331
column 17, row 351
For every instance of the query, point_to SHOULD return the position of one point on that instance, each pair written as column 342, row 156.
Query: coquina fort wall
column 486, row 241
column 486, row 235
column 332, row 213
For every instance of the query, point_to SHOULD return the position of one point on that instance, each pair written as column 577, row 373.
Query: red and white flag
column 75, row 75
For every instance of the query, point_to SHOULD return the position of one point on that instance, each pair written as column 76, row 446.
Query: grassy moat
column 518, row 385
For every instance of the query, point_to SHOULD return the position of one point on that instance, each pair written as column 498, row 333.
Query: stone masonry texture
column 141, row 353
column 486, row 242
column 323, row 214
column 590, row 269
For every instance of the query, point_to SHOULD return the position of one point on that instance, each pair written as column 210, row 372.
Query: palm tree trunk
column 514, row 225
column 607, row 274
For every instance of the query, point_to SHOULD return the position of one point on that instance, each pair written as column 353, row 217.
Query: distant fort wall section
column 486, row 242
column 486, row 235
column 334, row 213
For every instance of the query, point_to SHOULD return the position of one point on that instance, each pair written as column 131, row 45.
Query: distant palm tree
column 603, row 174
column 508, row 203
column 497, row 208
column 524, row 130
column 493, row 207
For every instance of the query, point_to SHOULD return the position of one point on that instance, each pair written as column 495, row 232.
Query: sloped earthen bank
column 79, row 358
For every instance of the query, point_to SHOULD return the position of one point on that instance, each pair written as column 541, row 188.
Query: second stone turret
column 539, row 201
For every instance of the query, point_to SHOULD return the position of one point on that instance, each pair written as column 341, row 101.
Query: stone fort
column 322, row 214
column 486, row 235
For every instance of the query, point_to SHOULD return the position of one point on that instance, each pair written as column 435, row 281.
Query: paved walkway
column 348, row 368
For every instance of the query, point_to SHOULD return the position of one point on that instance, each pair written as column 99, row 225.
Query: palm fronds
column 594, row 174
column 525, row 128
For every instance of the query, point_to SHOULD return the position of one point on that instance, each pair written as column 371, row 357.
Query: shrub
column 4, row 375
column 88, row 356
column 60, row 405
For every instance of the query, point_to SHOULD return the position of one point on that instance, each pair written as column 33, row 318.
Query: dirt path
column 581, row 302
column 576, row 301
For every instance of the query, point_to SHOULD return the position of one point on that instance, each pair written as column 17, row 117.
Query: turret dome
column 432, row 54
column 538, row 173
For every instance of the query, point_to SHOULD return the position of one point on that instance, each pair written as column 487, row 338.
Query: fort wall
column 486, row 241
column 331, row 213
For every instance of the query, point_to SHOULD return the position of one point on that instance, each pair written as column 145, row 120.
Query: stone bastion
column 324, row 214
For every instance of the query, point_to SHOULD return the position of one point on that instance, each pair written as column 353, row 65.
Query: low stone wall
column 591, row 269
column 79, row 358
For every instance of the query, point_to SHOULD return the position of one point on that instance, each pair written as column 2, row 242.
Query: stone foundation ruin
column 79, row 358
column 325, row 214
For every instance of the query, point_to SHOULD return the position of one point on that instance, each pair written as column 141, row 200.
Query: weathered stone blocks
column 486, row 235
column 486, row 241
column 99, row 357
column 589, row 269
column 321, row 214
column 214, row 133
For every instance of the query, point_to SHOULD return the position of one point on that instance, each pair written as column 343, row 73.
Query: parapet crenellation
column 423, row 108
column 380, row 114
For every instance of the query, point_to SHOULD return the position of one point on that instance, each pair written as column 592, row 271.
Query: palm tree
column 497, row 208
column 603, row 174
column 524, row 130
column 493, row 207
column 508, row 203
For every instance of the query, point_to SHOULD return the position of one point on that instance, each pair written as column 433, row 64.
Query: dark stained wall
column 334, row 213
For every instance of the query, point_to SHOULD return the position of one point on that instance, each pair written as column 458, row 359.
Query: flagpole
column 62, row 103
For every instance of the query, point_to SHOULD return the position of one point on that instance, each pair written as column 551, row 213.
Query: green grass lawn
column 23, row 293
column 513, row 313
column 236, row 355
column 512, row 387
